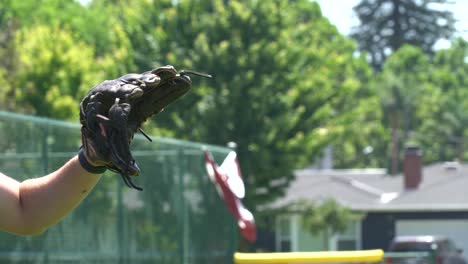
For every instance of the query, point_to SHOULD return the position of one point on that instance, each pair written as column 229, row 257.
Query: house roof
column 444, row 187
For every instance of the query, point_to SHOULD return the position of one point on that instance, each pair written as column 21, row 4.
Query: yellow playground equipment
column 357, row 256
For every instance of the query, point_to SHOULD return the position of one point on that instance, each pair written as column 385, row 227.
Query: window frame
column 292, row 222
column 334, row 242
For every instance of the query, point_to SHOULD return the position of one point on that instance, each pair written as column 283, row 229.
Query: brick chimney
column 412, row 168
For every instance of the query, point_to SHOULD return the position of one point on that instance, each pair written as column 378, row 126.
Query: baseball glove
column 114, row 110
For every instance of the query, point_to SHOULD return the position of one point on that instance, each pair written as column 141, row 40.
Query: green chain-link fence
column 178, row 217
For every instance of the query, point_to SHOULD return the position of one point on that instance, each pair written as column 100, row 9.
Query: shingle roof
column 444, row 188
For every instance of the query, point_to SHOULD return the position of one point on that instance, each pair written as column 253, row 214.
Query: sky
column 340, row 13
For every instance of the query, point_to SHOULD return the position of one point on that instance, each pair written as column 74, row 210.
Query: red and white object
column 227, row 179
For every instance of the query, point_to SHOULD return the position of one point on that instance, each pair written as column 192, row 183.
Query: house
column 422, row 200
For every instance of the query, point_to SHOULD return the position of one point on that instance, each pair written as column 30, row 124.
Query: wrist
column 88, row 165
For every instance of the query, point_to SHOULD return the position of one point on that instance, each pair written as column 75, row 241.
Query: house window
column 348, row 240
column 286, row 233
column 346, row 244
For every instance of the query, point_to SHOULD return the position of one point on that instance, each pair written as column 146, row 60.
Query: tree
column 283, row 74
column 402, row 85
column 444, row 131
column 54, row 71
column 363, row 143
column 283, row 79
column 386, row 25
column 58, row 55
column 8, row 54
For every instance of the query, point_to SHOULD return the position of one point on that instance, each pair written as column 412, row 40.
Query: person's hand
column 114, row 110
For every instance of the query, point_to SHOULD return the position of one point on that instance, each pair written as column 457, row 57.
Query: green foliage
column 52, row 67
column 400, row 86
column 60, row 50
column 420, row 100
column 286, row 83
column 325, row 215
column 402, row 82
column 445, row 111
column 283, row 77
column 8, row 55
column 363, row 141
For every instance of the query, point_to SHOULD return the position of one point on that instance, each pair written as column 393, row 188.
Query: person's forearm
column 46, row 200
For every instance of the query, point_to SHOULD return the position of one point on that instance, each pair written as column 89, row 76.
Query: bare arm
column 31, row 206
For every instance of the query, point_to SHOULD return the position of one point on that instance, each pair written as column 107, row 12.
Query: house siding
column 378, row 229
column 310, row 242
